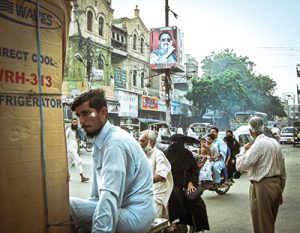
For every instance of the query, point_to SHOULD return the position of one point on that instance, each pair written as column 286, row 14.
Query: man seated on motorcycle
column 219, row 157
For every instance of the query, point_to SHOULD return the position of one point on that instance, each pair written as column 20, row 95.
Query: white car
column 242, row 135
column 287, row 135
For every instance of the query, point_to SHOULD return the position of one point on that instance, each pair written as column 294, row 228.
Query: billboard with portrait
column 166, row 49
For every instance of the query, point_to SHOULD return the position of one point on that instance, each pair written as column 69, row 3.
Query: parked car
column 242, row 135
column 287, row 134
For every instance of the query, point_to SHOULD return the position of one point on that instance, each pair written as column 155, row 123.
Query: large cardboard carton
column 34, row 189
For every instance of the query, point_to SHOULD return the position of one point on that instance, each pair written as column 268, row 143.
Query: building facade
column 113, row 54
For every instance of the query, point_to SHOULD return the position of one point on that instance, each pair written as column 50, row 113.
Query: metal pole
column 167, row 13
column 294, row 107
column 167, row 73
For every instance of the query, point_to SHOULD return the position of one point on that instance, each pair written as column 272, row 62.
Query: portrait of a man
column 165, row 53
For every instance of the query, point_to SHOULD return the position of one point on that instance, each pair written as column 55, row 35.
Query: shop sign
column 128, row 103
column 149, row 103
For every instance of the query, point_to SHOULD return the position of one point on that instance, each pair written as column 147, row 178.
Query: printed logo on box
column 25, row 13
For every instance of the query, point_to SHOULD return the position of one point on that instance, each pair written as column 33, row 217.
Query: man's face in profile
column 165, row 41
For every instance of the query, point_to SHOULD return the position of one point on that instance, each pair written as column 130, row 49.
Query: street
column 230, row 213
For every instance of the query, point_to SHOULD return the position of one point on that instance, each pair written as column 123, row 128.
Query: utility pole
column 167, row 80
column 167, row 13
column 294, row 107
column 89, row 64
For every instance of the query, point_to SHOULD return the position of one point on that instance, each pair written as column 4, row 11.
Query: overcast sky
column 266, row 31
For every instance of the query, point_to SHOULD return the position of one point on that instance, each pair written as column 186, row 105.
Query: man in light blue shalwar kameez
column 219, row 164
column 121, row 191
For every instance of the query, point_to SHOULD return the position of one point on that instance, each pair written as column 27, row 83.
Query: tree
column 229, row 84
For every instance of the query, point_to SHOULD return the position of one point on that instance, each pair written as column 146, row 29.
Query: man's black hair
column 229, row 131
column 165, row 32
column 96, row 98
column 215, row 128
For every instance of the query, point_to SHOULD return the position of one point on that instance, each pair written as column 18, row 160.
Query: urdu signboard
column 120, row 78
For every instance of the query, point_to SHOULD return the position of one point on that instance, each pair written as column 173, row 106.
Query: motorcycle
column 87, row 144
column 84, row 141
column 220, row 189
column 205, row 177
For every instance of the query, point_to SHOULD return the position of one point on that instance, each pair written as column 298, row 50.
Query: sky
column 266, row 31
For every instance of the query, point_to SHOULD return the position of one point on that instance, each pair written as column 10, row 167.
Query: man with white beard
column 161, row 170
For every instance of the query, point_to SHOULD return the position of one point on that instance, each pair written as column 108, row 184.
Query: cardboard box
column 34, row 190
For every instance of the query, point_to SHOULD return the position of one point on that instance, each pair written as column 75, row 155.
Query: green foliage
column 229, row 84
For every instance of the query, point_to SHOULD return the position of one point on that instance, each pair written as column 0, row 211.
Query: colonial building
column 138, row 92
column 113, row 54
column 89, row 53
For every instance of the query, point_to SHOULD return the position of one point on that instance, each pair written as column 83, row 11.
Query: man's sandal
column 84, row 179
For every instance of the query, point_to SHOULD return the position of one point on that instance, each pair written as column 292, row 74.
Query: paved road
column 230, row 213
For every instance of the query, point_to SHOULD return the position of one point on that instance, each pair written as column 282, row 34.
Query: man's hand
column 191, row 188
column 248, row 145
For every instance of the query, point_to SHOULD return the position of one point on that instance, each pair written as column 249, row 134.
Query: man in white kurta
column 72, row 149
column 161, row 170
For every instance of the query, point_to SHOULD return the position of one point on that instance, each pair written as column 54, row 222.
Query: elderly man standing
column 266, row 169
column 161, row 170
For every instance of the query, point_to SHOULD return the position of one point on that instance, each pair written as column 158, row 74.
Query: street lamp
column 294, row 107
column 87, row 65
column 79, row 58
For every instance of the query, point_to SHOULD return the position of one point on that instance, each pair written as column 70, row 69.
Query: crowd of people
column 133, row 182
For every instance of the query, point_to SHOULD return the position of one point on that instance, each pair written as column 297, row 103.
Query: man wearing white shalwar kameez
column 72, row 149
column 161, row 170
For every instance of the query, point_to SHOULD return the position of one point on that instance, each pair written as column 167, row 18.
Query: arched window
column 142, row 80
column 142, row 45
column 90, row 21
column 101, row 25
column 134, row 78
column 134, row 41
column 100, row 63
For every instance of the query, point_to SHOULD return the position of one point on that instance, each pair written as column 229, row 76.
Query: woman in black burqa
column 185, row 175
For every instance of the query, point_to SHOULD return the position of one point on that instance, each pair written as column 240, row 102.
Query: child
column 203, row 151
column 205, row 173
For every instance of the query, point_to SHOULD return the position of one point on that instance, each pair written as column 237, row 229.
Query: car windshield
column 287, row 130
column 164, row 131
